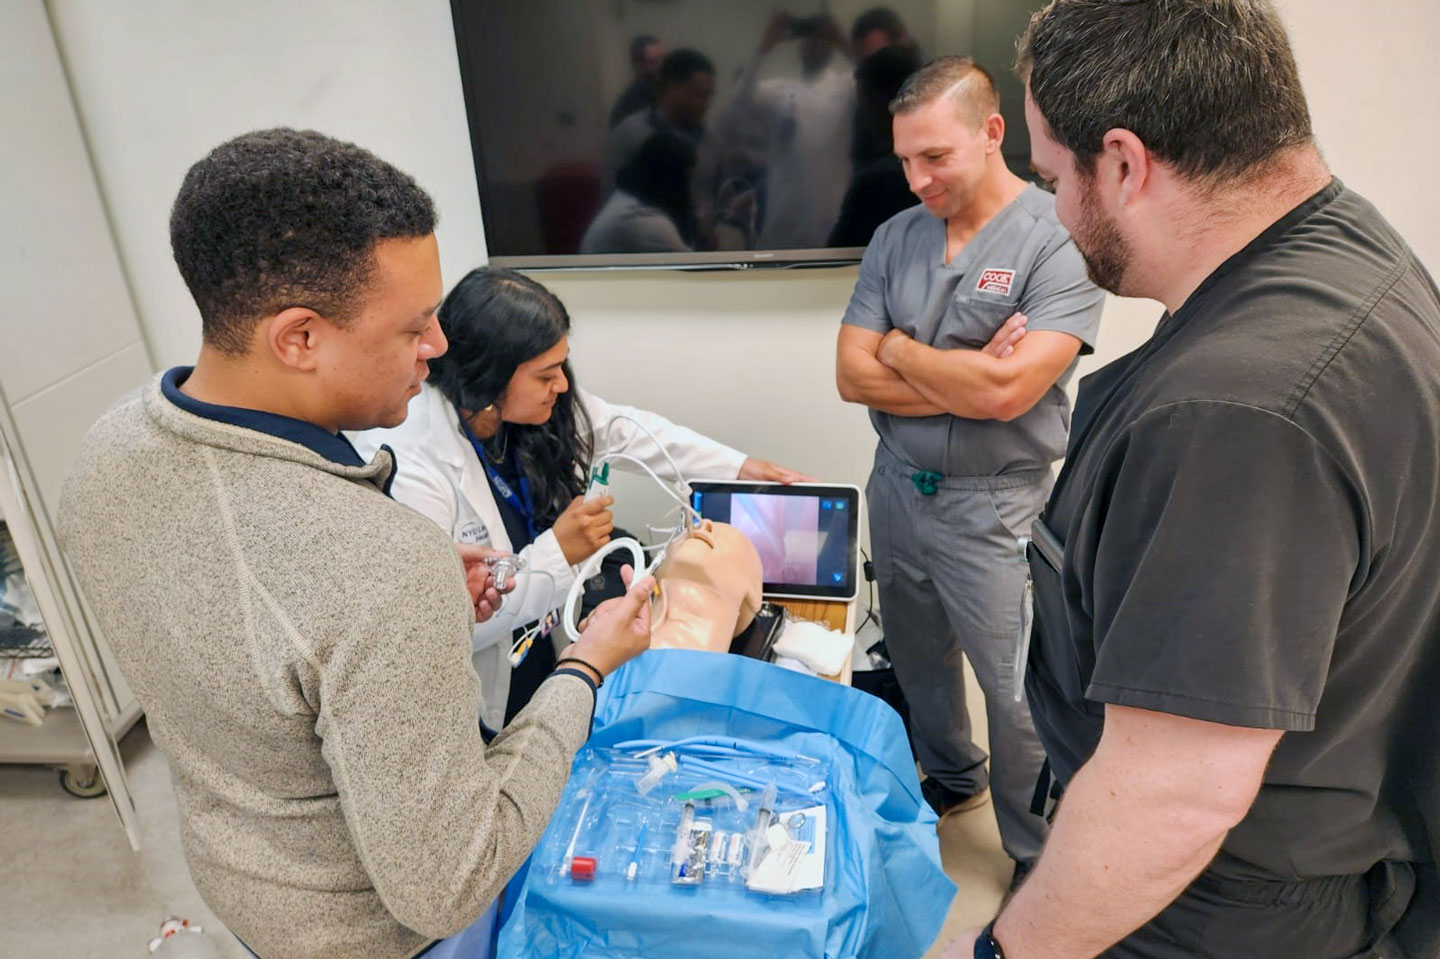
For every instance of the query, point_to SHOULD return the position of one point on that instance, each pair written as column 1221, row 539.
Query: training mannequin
column 709, row 590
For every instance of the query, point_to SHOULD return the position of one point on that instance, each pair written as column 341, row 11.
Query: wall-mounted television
column 704, row 133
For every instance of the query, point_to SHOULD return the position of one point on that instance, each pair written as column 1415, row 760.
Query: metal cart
column 59, row 741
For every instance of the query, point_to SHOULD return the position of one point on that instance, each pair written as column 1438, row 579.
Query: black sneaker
column 945, row 800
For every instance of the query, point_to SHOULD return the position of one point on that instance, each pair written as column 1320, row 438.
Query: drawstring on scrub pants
column 926, row 482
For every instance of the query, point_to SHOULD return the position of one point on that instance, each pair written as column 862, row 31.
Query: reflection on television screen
column 693, row 131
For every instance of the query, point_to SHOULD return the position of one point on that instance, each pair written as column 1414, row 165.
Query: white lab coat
column 440, row 477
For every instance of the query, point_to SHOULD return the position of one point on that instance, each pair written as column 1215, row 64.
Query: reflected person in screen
column 876, row 29
column 803, row 124
column 687, row 87
column 646, row 55
column 878, row 190
column 651, row 209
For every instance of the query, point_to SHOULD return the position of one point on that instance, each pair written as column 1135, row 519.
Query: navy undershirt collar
column 332, row 446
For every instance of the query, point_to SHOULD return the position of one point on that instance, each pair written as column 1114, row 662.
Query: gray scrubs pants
column 951, row 581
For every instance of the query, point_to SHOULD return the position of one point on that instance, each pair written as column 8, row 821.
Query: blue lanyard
column 521, row 504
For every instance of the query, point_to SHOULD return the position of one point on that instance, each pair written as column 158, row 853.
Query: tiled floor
column 970, row 848
column 74, row 890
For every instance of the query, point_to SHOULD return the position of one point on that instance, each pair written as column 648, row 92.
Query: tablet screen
column 805, row 535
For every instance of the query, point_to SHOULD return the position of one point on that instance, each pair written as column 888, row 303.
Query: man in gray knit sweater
column 300, row 641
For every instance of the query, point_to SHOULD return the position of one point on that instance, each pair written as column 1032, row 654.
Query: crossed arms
column 1003, row 380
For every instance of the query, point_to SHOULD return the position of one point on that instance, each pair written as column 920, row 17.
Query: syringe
column 579, row 868
column 755, row 839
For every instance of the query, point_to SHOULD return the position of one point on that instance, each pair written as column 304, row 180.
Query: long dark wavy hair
column 496, row 320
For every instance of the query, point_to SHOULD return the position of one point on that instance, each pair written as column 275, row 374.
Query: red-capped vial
column 582, row 869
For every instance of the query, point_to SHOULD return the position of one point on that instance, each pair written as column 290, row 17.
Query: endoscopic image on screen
column 785, row 531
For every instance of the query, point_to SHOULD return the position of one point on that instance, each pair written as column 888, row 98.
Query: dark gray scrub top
column 1250, row 519
column 1022, row 260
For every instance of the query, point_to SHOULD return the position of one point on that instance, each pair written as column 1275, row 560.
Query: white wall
column 1372, row 78
column 69, row 340
column 746, row 357
column 161, row 82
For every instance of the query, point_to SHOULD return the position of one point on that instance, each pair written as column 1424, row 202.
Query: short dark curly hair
column 280, row 218
column 680, row 65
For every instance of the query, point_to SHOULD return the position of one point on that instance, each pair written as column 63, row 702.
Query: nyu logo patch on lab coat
column 996, row 281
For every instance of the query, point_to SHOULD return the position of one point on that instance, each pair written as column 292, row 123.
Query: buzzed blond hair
column 961, row 79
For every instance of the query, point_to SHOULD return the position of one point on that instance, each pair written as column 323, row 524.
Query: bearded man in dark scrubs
column 1237, row 627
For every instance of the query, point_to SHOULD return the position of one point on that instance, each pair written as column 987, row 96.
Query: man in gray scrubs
column 966, row 322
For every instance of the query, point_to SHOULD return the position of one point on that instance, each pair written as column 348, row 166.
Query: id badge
column 1027, row 624
column 1052, row 553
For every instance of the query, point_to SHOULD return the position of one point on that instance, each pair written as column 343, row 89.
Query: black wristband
column 986, row 945
column 599, row 676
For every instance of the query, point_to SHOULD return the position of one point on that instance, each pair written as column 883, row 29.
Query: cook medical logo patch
column 996, row 281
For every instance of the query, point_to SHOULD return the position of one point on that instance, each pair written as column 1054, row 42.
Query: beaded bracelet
column 599, row 676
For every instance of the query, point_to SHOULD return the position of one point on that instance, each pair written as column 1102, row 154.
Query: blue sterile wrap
column 885, row 894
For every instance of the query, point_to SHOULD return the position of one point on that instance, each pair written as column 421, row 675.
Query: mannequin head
column 709, row 590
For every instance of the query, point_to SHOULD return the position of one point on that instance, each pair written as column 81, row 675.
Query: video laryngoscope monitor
column 808, row 534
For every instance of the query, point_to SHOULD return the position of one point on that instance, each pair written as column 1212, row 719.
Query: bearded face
column 1106, row 251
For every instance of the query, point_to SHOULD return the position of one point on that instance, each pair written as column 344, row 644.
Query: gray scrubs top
column 1022, row 260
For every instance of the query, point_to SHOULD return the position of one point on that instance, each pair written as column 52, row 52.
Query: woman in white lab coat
column 497, row 450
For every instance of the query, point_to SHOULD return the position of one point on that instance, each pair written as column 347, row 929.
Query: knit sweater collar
column 260, row 434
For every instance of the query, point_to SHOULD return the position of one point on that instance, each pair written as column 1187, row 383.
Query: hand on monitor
column 764, row 471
